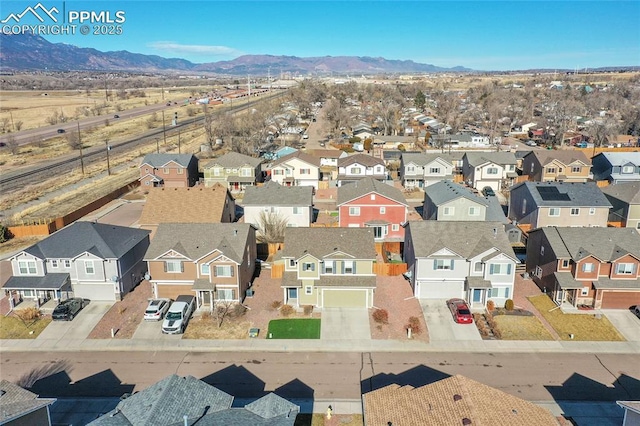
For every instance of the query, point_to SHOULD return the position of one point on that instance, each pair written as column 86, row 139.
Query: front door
column 477, row 295
column 292, row 293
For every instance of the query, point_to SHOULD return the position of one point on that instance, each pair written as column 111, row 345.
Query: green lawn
column 302, row 328
column 584, row 327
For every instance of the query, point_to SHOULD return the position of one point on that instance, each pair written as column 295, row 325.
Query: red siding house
column 169, row 170
column 369, row 203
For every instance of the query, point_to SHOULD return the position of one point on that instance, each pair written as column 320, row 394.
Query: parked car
column 488, row 191
column 68, row 309
column 460, row 311
column 116, row 116
column 61, row 130
column 156, row 309
column 636, row 310
column 531, row 143
column 177, row 317
column 305, row 136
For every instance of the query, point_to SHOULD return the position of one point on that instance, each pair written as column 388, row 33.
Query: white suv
column 156, row 309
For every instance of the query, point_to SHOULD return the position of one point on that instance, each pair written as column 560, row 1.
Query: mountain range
column 28, row 52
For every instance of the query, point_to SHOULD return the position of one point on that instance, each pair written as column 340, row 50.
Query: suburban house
column 296, row 169
column 329, row 267
column 456, row 400
column 169, row 170
column 234, row 170
column 177, row 400
column 369, row 203
column 631, row 412
column 19, row 407
column 94, row 261
column 597, row 267
column 557, row 165
column 187, row 205
column 358, row 166
column 494, row 169
column 460, row 140
column 293, row 204
column 418, row 170
column 625, row 199
column 468, row 260
column 537, row 204
column 329, row 157
column 216, row 261
column 616, row 167
column 450, row 201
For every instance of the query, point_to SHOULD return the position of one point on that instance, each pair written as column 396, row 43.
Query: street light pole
column 164, row 129
column 106, row 142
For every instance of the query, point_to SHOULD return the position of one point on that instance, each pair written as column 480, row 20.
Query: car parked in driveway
column 488, row 191
column 636, row 310
column 156, row 309
column 68, row 309
column 460, row 311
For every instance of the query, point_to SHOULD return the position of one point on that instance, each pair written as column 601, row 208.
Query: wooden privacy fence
column 277, row 270
column 389, row 269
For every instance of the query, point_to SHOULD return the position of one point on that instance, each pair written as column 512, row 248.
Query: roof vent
column 466, row 421
column 457, row 397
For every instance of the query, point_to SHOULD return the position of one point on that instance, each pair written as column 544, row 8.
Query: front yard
column 297, row 328
column 583, row 327
column 205, row 326
column 12, row 327
column 518, row 327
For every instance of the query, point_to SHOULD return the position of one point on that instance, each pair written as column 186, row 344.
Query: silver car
column 156, row 309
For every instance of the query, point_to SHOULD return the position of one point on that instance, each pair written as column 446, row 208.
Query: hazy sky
column 483, row 35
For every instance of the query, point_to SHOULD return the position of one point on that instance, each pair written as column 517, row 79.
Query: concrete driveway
column 345, row 324
column 626, row 322
column 80, row 327
column 152, row 330
column 441, row 326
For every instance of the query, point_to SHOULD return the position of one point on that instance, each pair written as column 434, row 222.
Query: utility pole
column 249, row 85
column 164, row 129
column 12, row 125
column 106, row 142
column 269, row 79
column 178, row 140
column 158, row 145
column 80, row 144
column 106, row 90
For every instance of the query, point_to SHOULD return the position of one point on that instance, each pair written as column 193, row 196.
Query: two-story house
column 329, row 267
column 625, row 201
column 216, row 261
column 556, row 165
column 272, row 203
column 234, row 170
column 469, row 260
column 168, row 170
column 418, row 170
column 494, row 169
column 358, row 166
column 616, row 167
column 85, row 259
column 187, row 205
column 369, row 203
column 450, row 201
column 296, row 169
column 329, row 157
column 596, row 267
column 537, row 204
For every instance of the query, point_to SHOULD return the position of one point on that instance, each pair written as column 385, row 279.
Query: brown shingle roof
column 314, row 161
column 447, row 402
column 566, row 157
column 364, row 159
column 185, row 205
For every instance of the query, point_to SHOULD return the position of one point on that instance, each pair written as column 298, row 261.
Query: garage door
column 101, row 291
column 492, row 183
column 620, row 299
column 172, row 291
column 344, row 298
column 440, row 290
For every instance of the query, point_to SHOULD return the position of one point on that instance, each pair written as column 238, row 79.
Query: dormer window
column 628, row 169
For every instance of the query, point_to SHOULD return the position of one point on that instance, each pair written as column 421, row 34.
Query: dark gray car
column 68, row 309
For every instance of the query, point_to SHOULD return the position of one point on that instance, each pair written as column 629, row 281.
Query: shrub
column 308, row 309
column 508, row 305
column 381, row 316
column 28, row 314
column 237, row 310
column 286, row 310
column 276, row 304
column 491, row 305
column 414, row 325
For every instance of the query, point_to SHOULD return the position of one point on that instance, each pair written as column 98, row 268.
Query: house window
column 628, row 169
column 27, row 267
column 584, row 291
column 474, row 211
column 477, row 267
column 67, row 263
column 434, row 170
column 538, row 272
column 146, row 182
column 575, row 211
column 180, row 171
column 410, row 169
column 379, row 231
column 625, row 268
column 541, row 250
column 354, row 211
column 225, row 294
column 305, row 171
column 551, row 170
column 329, row 267
column 356, row 170
column 554, row 211
column 297, row 210
column 441, row 264
column 173, row 266
column 245, row 172
column 587, row 267
column 235, row 171
column 565, row 263
column 292, row 263
column 308, row 290
column 448, row 211
column 492, row 171
column 576, row 169
column 277, row 172
column 205, row 269
column 88, row 267
column 383, row 210
column 224, row 271
column 348, row 267
column 54, row 263
column 500, row 269
column 395, row 227
column 216, row 172
column 532, row 168
column 308, row 266
column 373, row 197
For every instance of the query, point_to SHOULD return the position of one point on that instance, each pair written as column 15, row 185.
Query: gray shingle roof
column 421, row 159
column 478, row 158
column 47, row 282
column 233, row 159
column 16, row 401
column 158, row 160
column 102, row 240
column 366, row 186
column 364, row 159
column 495, row 212
column 271, row 405
column 581, row 194
column 606, row 244
column 629, row 192
column 446, row 190
column 320, row 242
column 274, row 194
column 622, row 158
column 468, row 239
column 195, row 240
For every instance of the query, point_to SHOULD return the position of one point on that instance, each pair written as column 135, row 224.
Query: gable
column 172, row 254
column 338, row 255
column 438, row 162
column 308, row 259
column 444, row 252
column 366, row 200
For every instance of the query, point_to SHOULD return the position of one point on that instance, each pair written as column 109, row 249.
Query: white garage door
column 440, row 290
column 100, row 291
column 344, row 298
column 492, row 183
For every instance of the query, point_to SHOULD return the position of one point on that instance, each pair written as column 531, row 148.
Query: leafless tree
column 73, row 140
column 18, row 125
column 5, row 123
column 227, row 309
column 272, row 227
column 13, row 145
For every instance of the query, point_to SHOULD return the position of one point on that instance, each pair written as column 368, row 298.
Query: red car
column 460, row 311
